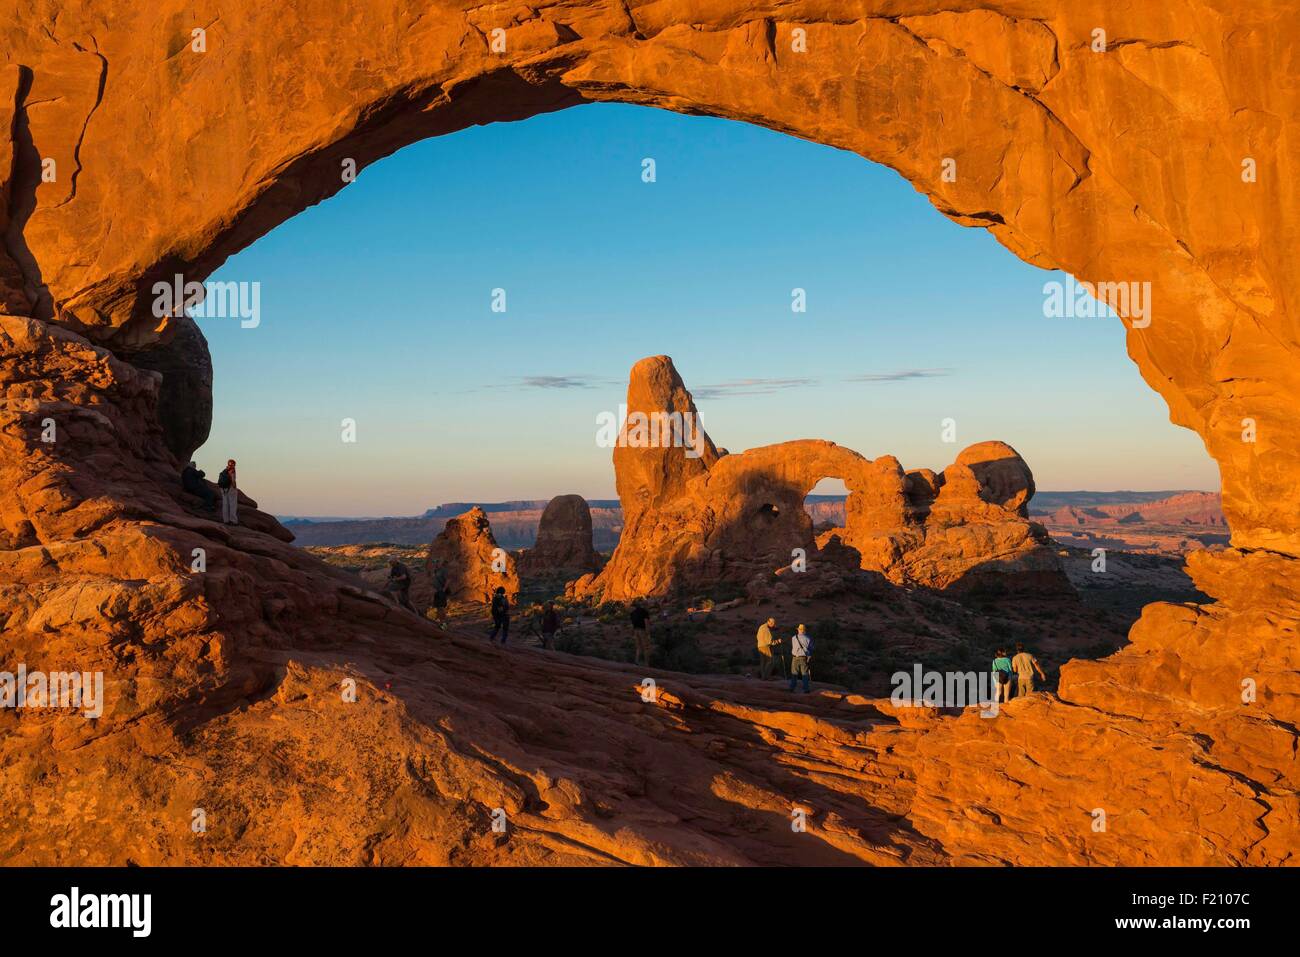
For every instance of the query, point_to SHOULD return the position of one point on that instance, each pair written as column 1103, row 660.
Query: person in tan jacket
column 1024, row 665
column 765, row 643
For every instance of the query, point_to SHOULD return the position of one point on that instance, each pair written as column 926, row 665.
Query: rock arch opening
column 993, row 115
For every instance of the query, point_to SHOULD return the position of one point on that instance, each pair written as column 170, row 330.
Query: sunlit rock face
column 472, row 563
column 564, row 540
column 696, row 518
column 1147, row 146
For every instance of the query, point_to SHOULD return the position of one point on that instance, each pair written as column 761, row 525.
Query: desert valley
column 872, row 632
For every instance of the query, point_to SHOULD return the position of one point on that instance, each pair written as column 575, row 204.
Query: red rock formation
column 563, row 539
column 1160, row 151
column 474, row 565
column 694, row 521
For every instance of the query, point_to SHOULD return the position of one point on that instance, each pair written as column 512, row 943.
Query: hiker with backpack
column 438, row 579
column 1002, row 677
column 500, row 615
column 229, row 487
column 398, row 585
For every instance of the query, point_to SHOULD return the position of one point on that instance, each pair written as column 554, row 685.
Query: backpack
column 223, row 480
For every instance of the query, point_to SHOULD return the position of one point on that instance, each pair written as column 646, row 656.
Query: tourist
column 801, row 644
column 229, row 494
column 192, row 481
column 500, row 615
column 438, row 578
column 1024, row 665
column 765, row 643
column 399, row 583
column 1002, row 676
column 640, row 633
column 550, row 624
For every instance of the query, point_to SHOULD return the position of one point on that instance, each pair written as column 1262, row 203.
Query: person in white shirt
column 800, row 658
column 229, row 489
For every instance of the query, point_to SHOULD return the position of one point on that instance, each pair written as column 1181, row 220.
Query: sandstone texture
column 474, row 565
column 564, row 540
column 695, row 518
column 1122, row 143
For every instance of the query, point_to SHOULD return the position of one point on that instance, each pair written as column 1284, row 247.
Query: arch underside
column 1120, row 164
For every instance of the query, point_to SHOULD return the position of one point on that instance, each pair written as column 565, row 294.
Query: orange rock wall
column 1164, row 155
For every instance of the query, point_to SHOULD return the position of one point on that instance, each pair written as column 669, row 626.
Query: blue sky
column 375, row 306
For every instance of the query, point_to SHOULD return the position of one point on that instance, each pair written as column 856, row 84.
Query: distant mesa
column 1185, row 508
column 694, row 517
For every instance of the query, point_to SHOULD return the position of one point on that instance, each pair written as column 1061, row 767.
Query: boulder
column 564, row 542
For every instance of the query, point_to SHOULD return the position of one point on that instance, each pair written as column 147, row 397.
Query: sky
column 376, row 307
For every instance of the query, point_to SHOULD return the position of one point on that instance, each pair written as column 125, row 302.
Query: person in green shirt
column 1002, row 676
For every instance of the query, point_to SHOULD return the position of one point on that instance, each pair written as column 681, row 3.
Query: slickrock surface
column 1164, row 155
column 564, row 539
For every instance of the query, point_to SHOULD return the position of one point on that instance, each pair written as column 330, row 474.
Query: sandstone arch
column 696, row 516
column 1007, row 92
column 1117, row 165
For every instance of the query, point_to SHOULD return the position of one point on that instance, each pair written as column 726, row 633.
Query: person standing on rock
column 1024, row 665
column 229, row 494
column 550, row 624
column 640, row 633
column 1002, row 676
column 765, row 643
column 500, row 615
column 439, row 581
column 399, row 583
column 801, row 644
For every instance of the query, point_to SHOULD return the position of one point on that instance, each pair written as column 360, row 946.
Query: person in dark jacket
column 193, row 482
column 550, row 624
column 399, row 584
column 441, row 595
column 500, row 615
column 641, row 647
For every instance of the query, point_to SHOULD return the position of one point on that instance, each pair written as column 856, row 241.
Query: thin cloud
column 561, row 381
column 899, row 376
column 722, row 390
column 547, row 382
